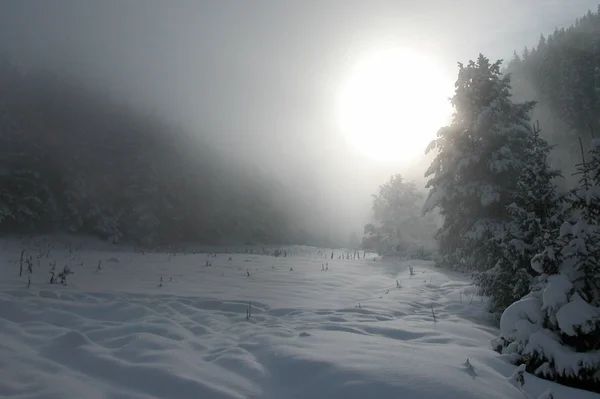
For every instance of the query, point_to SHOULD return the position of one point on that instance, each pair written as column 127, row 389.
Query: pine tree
column 535, row 217
column 474, row 174
column 555, row 330
column 541, row 43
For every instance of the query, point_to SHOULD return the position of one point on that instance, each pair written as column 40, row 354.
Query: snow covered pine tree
column 535, row 217
column 474, row 175
column 555, row 330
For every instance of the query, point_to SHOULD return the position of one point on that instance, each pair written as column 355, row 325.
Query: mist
column 255, row 83
column 300, row 198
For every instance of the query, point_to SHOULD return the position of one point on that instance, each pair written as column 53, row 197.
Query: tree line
column 73, row 159
column 562, row 73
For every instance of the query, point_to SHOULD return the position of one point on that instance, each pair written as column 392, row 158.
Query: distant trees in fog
column 72, row 159
column 562, row 73
column 397, row 225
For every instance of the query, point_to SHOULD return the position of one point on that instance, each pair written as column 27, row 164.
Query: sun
column 392, row 104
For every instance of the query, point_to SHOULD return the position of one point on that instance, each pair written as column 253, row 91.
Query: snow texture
column 159, row 325
column 577, row 314
column 556, row 293
column 521, row 324
column 521, row 319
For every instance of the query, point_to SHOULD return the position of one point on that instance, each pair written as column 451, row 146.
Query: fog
column 258, row 80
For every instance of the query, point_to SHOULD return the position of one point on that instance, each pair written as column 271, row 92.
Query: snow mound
column 521, row 319
column 577, row 314
column 556, row 293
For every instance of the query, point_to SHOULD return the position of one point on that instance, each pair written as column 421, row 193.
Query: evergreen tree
column 555, row 330
column 562, row 76
column 474, row 174
column 535, row 216
column 396, row 216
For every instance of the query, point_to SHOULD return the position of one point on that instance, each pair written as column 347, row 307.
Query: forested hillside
column 73, row 159
column 562, row 73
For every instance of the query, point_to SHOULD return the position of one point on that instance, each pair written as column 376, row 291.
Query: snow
column 577, row 314
column 348, row 332
column 556, row 292
column 546, row 395
column 566, row 229
column 518, row 245
column 521, row 319
column 489, row 195
column 566, row 361
column 522, row 325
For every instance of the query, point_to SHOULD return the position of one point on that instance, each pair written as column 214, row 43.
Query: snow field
column 348, row 332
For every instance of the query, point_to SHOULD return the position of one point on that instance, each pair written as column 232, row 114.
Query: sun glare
column 393, row 103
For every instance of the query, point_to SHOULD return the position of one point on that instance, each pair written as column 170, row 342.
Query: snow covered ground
column 347, row 332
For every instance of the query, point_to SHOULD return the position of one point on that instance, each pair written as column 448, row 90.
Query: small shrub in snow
column 21, row 263
column 468, row 365
column 52, row 272
column 64, row 273
column 518, row 377
column 249, row 311
column 29, row 265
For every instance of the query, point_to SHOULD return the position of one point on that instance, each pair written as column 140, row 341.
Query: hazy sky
column 263, row 75
column 266, row 68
